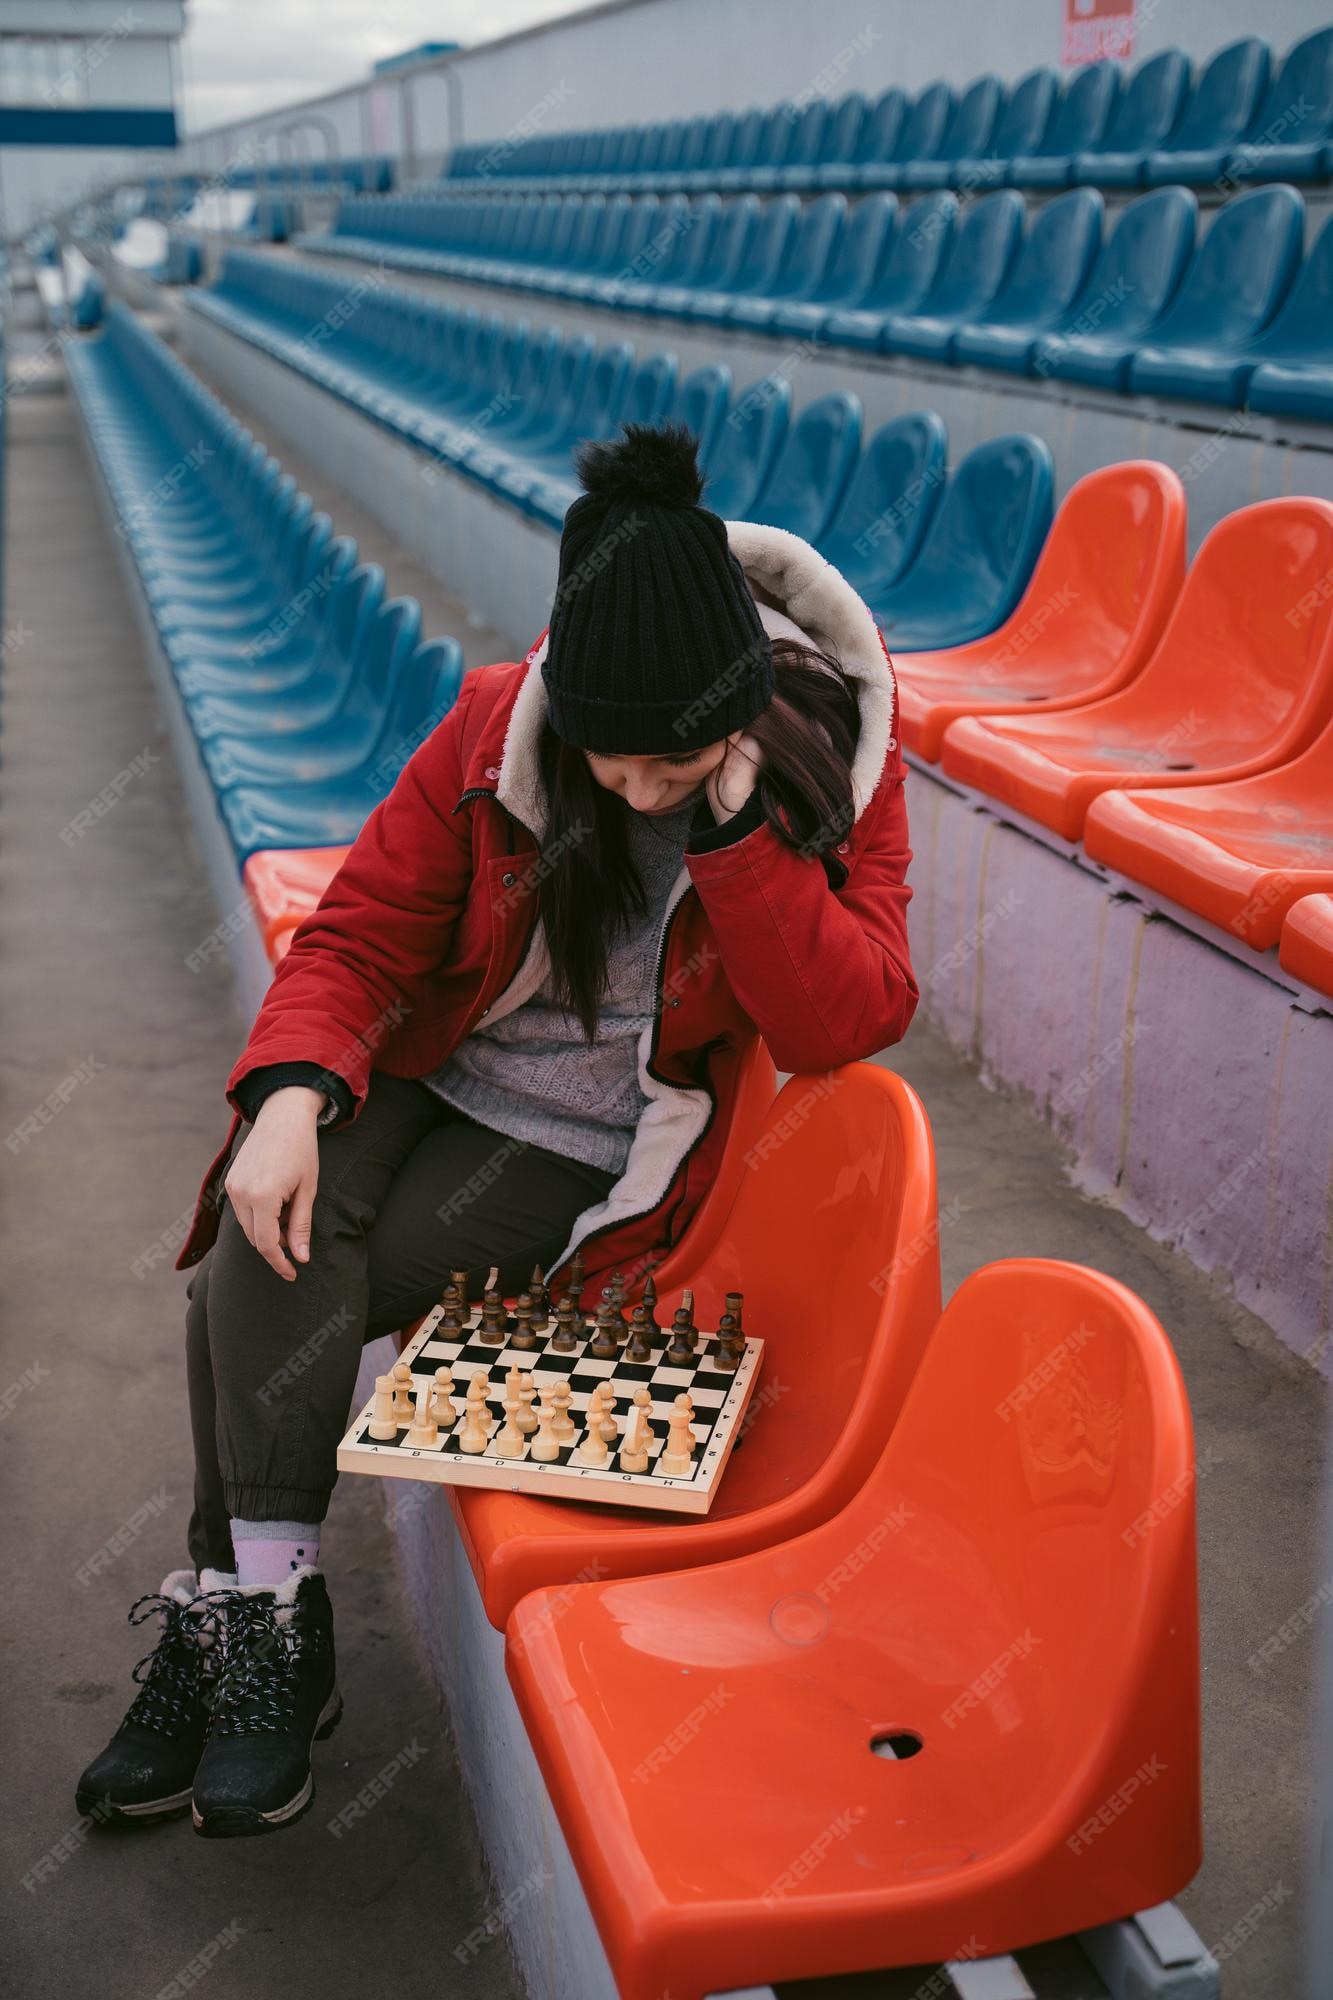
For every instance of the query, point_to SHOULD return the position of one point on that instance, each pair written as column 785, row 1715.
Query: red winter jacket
column 424, row 931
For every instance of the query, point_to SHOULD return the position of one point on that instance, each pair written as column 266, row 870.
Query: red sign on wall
column 1095, row 29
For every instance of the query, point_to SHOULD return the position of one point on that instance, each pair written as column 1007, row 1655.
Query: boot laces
column 169, row 1676
column 257, row 1675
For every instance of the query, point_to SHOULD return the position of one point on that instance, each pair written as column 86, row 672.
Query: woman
column 512, row 1029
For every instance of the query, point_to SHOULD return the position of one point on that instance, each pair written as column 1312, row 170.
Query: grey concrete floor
column 96, row 933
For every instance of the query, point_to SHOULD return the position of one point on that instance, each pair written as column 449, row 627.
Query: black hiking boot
column 276, row 1691
column 145, row 1772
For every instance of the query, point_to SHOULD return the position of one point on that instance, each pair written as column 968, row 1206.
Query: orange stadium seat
column 1238, row 854
column 1006, row 1613
column 1105, row 583
column 832, row 1235
column 284, row 885
column 1307, row 942
column 1242, row 680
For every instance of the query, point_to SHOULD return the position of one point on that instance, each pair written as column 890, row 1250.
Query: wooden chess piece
column 402, row 1392
column 604, row 1345
column 509, row 1438
column 564, row 1340
column 591, row 1448
column 527, row 1416
column 609, row 1425
column 383, row 1423
column 546, row 1445
column 638, row 1435
column 541, row 1299
column 639, row 1346
column 650, row 1307
column 523, row 1334
column 445, row 1413
column 475, row 1433
column 423, row 1433
column 678, row 1458
column 494, row 1323
column 564, row 1423
column 680, row 1347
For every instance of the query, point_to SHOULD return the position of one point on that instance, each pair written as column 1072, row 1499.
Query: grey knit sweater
column 533, row 1076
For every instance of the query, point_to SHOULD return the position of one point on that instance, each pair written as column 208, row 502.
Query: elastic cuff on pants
column 275, row 1503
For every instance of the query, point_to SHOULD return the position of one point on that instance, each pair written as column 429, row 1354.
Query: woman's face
column 656, row 784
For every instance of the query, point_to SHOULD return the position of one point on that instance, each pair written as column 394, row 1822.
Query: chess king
column 509, row 1028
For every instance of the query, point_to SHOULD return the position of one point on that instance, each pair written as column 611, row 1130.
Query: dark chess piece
column 541, row 1299
column 605, row 1343
column 639, row 1346
column 564, row 1340
column 730, row 1335
column 494, row 1320
column 523, row 1335
column 680, row 1347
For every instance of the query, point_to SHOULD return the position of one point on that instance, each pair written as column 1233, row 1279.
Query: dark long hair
column 590, row 885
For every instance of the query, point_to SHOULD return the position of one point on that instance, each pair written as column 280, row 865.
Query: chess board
column 719, row 1399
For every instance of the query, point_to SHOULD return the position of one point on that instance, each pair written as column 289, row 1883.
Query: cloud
column 243, row 57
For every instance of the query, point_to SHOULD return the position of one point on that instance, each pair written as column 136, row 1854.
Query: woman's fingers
column 299, row 1217
column 267, row 1239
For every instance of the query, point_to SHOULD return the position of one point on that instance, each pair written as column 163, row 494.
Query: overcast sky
column 243, row 56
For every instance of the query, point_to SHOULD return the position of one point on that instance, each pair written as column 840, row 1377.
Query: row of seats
column 1240, row 317
column 1107, row 632
column 1243, row 118
column 164, row 195
column 305, row 689
column 825, row 1540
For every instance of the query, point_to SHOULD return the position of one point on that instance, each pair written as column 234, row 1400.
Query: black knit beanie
column 655, row 643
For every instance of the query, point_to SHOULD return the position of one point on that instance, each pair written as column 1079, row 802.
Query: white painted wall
column 641, row 59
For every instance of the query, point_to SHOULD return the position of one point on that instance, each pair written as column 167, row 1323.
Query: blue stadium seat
column 1133, row 282
column 967, row 135
column 227, row 696
column 878, row 141
column 1289, row 137
column 978, row 262
column 689, row 233
column 809, row 145
column 917, row 251
column 877, row 532
column 804, row 270
column 1049, row 273
column 1294, row 372
column 863, row 250
column 742, row 459
column 700, row 403
column 978, row 552
column 1144, row 116
column 919, row 135
column 644, row 397
column 755, row 273
column 723, row 238
column 1020, row 128
column 810, row 473
column 777, row 144
column 1240, row 276
column 848, row 123
column 1077, row 123
column 759, row 141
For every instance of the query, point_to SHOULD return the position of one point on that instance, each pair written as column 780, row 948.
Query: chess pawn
column 482, row 1381
column 509, row 1438
column 638, row 1435
column 564, row 1340
column 609, row 1427
column 592, row 1446
column 527, row 1416
column 383, row 1423
column 546, row 1445
column 605, row 1345
column 445, row 1413
column 423, row 1433
column 458, row 1282
column 680, row 1347
column 523, row 1334
column 639, row 1346
column 678, row 1459
column 564, row 1423
column 476, row 1427
column 402, row 1392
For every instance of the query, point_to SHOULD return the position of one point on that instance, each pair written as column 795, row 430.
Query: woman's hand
column 731, row 782
column 277, row 1168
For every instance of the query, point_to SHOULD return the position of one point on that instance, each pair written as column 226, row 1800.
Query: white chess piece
column 446, row 1415
column 527, row 1416
column 677, row 1459
column 638, row 1435
column 424, row 1433
column 509, row 1438
column 383, row 1423
column 402, row 1391
column 476, row 1430
column 546, row 1445
column 592, row 1445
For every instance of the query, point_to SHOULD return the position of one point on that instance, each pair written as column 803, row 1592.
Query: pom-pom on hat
column 655, row 643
